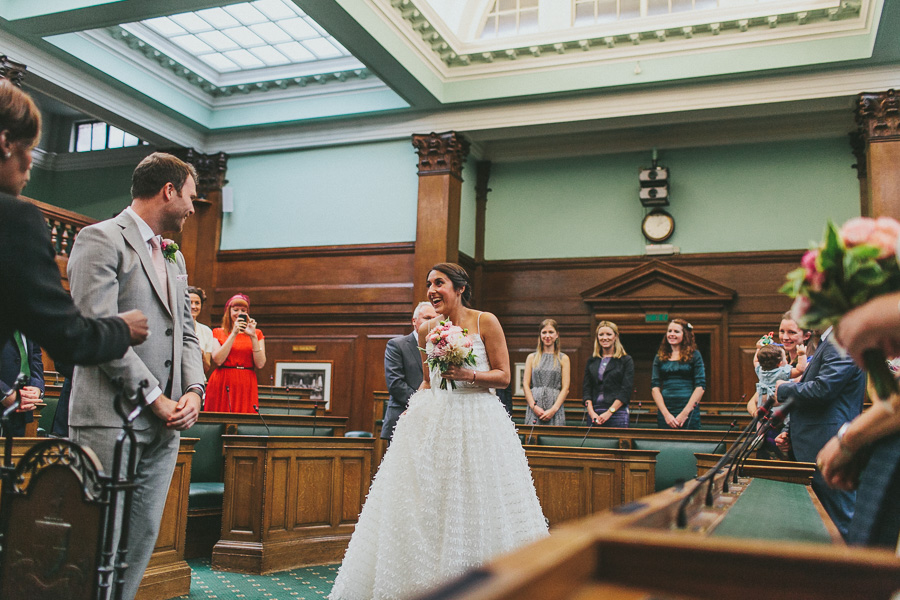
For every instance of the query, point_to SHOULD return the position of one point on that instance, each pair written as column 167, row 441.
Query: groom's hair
column 158, row 169
column 460, row 279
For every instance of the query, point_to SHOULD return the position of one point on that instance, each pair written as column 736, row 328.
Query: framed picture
column 314, row 376
column 519, row 389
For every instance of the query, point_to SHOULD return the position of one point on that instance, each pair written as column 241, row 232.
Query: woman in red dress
column 239, row 349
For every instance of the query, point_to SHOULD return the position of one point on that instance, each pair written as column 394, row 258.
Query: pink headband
column 237, row 298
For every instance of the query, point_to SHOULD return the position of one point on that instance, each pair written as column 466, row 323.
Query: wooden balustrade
column 64, row 226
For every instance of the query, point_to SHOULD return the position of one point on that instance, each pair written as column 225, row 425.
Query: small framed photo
column 314, row 376
column 519, row 389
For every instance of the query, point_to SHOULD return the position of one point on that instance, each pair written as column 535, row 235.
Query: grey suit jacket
column 403, row 374
column 110, row 271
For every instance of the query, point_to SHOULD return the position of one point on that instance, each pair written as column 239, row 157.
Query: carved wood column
column 878, row 118
column 482, row 177
column 202, row 231
column 441, row 159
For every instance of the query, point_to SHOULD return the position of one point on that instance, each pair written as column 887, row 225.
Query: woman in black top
column 608, row 379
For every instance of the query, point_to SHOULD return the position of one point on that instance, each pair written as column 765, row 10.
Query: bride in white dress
column 454, row 488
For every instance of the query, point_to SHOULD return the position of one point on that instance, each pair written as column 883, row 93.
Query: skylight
column 250, row 35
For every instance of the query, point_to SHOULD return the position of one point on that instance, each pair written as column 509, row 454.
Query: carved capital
column 12, row 70
column 878, row 115
column 210, row 167
column 858, row 147
column 441, row 153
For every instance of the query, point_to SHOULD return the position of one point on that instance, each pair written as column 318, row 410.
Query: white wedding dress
column 454, row 490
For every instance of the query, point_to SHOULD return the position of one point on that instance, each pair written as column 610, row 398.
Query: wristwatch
column 612, row 409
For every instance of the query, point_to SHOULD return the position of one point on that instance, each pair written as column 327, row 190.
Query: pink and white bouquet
column 850, row 267
column 448, row 344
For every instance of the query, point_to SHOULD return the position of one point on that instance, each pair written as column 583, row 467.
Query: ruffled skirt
column 454, row 490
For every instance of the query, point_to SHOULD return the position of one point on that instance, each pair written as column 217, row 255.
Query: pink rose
column 885, row 235
column 857, row 231
column 814, row 276
column 799, row 309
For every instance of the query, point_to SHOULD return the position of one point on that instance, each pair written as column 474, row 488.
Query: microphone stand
column 637, row 417
column 259, row 414
column 586, row 434
column 711, row 474
column 315, row 414
column 763, row 413
column 531, row 431
column 775, row 421
column 228, row 397
column 722, row 441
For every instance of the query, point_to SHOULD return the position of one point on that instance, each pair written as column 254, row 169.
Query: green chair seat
column 206, row 494
column 589, row 442
column 48, row 412
column 208, row 462
column 284, row 430
column 358, row 434
column 675, row 460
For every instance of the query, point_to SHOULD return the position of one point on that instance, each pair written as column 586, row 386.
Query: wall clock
column 658, row 226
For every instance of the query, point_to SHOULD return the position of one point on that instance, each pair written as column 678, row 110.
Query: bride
column 454, row 488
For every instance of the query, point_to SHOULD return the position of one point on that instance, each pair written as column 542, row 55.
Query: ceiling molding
column 97, row 159
column 771, row 95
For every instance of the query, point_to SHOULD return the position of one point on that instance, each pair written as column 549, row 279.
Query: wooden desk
column 625, row 435
column 777, row 470
column 576, row 482
column 232, row 420
column 635, row 554
column 290, row 501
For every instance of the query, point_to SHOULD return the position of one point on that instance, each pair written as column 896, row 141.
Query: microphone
column 637, row 417
column 761, row 413
column 722, row 441
column 775, row 421
column 315, row 414
column 256, row 408
column 586, row 434
column 533, row 423
column 228, row 397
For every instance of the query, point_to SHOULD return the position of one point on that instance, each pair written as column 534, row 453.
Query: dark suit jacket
column 829, row 394
column 618, row 380
column 10, row 362
column 33, row 299
column 403, row 374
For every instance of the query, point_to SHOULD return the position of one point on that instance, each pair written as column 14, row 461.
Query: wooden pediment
column 658, row 287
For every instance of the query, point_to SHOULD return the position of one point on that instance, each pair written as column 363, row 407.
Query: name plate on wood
column 303, row 348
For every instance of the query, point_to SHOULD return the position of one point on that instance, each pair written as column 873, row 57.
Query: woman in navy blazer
column 608, row 379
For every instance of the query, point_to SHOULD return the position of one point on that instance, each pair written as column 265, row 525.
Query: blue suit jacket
column 9, row 370
column 829, row 394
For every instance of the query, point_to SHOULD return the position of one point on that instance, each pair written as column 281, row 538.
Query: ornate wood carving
column 210, row 167
column 878, row 115
column 858, row 147
column 14, row 71
column 441, row 153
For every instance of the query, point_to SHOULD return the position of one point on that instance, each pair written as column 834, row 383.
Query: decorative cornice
column 12, row 70
column 95, row 159
column 878, row 115
column 441, row 153
column 212, row 89
column 456, row 54
column 210, row 167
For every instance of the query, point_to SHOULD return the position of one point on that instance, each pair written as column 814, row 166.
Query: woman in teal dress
column 678, row 379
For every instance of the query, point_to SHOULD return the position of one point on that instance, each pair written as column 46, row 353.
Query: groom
column 117, row 265
column 403, row 369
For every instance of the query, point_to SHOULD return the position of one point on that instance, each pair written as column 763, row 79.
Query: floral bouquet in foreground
column 448, row 344
column 849, row 268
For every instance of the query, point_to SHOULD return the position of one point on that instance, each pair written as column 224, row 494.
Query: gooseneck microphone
column 256, row 408
column 315, row 414
column 775, row 421
column 586, row 433
column 228, row 397
column 531, row 431
column 763, row 413
column 722, row 441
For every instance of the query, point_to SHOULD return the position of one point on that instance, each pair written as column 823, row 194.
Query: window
column 589, row 12
column 511, row 17
column 97, row 135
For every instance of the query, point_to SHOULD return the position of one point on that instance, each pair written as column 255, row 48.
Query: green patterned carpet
column 305, row 584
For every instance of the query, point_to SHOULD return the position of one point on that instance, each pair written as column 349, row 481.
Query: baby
column 771, row 367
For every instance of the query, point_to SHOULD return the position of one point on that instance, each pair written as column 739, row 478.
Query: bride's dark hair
column 459, row 278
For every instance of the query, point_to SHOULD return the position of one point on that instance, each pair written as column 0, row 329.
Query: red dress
column 232, row 386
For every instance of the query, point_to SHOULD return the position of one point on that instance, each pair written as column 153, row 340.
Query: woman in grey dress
column 546, row 381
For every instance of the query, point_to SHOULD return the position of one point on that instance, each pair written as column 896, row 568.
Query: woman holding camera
column 239, row 349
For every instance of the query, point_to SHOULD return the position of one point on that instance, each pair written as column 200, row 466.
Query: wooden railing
column 63, row 224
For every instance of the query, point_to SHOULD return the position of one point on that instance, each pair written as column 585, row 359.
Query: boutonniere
column 169, row 248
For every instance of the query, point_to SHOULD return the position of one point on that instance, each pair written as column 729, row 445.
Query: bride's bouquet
column 448, row 344
column 849, row 268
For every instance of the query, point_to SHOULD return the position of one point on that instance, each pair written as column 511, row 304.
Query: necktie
column 24, row 366
column 159, row 263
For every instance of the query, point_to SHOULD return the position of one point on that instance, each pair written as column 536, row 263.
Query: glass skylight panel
column 219, row 62
column 192, row 44
column 218, row 18
column 165, row 26
column 116, row 138
column 246, row 14
column 321, row 48
column 98, row 136
column 270, row 56
column 244, row 37
column 272, row 33
column 274, row 9
column 296, row 52
column 191, row 22
column 299, row 28
column 218, row 40
column 130, row 140
column 244, row 59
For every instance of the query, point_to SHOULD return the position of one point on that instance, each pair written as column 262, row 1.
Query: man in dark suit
column 829, row 394
column 33, row 301
column 403, row 369
column 10, row 366
column 123, row 264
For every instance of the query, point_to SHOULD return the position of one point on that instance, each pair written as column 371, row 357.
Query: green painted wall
column 99, row 193
column 748, row 197
column 359, row 194
column 467, row 208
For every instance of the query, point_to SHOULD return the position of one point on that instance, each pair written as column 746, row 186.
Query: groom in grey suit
column 403, row 369
column 119, row 265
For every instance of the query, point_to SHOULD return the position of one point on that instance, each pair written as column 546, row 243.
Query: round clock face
column 658, row 226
